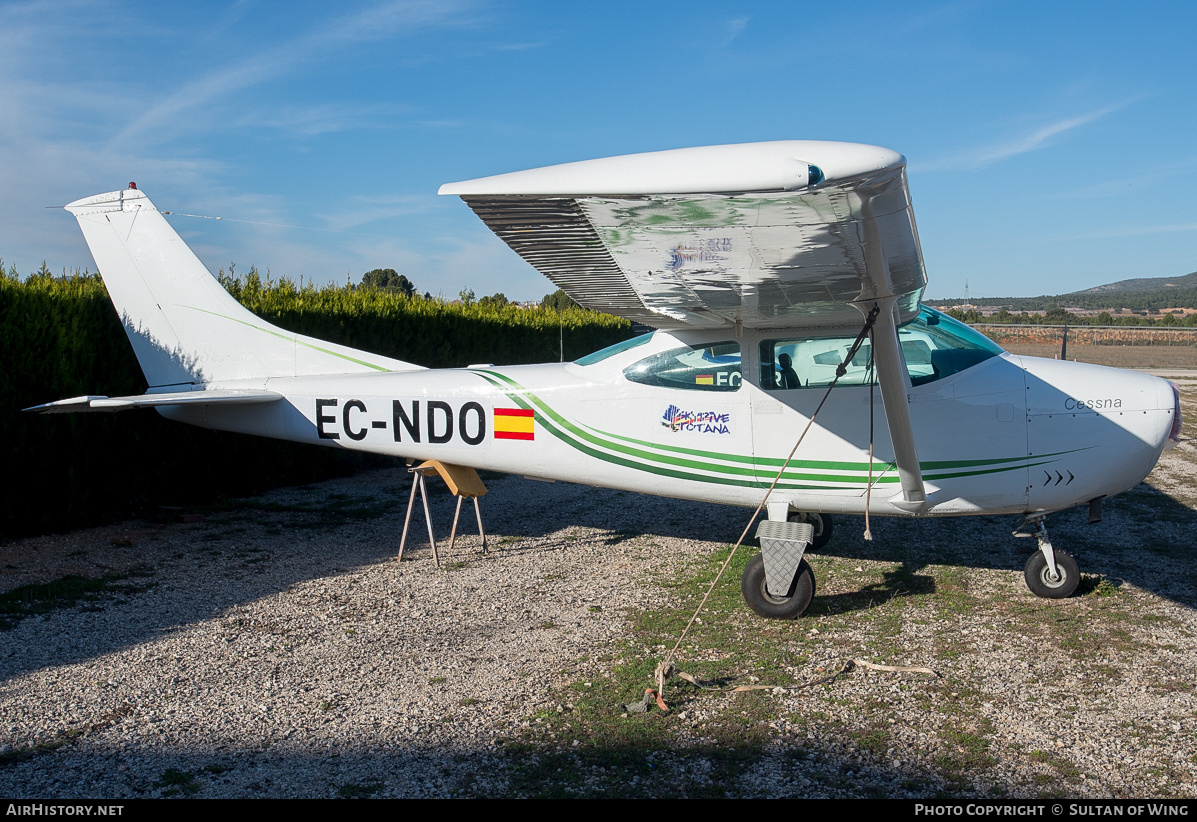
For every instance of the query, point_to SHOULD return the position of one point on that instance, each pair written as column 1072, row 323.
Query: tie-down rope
column 840, row 370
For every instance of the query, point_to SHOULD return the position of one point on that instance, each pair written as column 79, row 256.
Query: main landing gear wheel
column 802, row 591
column 823, row 528
column 1039, row 576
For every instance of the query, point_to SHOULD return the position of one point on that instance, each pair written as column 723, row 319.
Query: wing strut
column 894, row 379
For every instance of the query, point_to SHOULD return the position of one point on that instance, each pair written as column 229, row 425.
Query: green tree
column 466, row 295
column 388, row 279
column 495, row 300
column 558, row 301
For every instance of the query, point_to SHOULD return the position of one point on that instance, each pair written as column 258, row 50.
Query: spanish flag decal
column 514, row 424
column 704, row 379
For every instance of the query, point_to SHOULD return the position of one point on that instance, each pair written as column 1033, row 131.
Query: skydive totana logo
column 696, row 422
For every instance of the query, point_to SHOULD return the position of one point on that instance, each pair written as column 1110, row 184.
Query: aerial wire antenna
column 260, row 222
column 272, row 225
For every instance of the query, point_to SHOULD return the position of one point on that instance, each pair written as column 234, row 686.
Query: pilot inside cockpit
column 786, row 373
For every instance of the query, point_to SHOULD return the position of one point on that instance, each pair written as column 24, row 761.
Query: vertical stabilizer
column 185, row 328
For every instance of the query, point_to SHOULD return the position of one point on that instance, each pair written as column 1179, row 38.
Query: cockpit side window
column 811, row 361
column 710, row 367
column 933, row 344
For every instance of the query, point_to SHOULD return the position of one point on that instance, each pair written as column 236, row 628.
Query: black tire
column 823, row 528
column 802, row 591
column 1039, row 579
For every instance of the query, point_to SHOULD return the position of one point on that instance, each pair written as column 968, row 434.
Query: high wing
column 781, row 234
column 771, row 235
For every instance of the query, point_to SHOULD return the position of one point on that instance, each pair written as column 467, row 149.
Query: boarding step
column 782, row 547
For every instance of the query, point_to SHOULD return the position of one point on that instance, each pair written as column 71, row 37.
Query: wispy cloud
column 517, row 46
column 734, row 28
column 1135, row 231
column 365, row 210
column 1141, row 175
column 1017, row 144
column 104, row 115
column 169, row 114
column 329, row 118
column 911, row 22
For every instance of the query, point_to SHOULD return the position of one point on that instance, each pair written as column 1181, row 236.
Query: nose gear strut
column 1049, row 573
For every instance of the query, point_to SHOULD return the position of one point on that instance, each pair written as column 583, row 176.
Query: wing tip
column 65, row 406
column 735, row 167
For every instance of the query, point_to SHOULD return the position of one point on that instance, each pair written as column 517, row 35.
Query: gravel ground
column 280, row 651
column 276, row 648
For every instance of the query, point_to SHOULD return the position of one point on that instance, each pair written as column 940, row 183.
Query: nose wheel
column 1043, row 583
column 1049, row 573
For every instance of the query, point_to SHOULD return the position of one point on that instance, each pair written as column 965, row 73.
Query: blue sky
column 1051, row 146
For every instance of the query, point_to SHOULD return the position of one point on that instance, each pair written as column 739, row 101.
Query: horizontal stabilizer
column 99, row 403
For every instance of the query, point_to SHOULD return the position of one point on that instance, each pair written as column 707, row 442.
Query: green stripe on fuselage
column 575, row 435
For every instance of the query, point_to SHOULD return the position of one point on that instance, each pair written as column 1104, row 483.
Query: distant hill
column 1141, row 294
column 1143, row 284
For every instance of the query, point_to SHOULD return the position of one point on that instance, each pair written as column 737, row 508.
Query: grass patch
column 966, row 751
column 874, row 739
column 353, row 790
column 175, row 782
column 330, row 513
column 609, row 773
column 1058, row 764
column 708, row 741
column 16, row 755
column 31, row 600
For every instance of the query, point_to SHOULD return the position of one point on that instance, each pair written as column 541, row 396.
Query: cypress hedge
column 61, row 337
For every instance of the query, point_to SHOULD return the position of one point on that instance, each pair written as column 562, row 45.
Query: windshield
column 936, row 346
column 612, row 350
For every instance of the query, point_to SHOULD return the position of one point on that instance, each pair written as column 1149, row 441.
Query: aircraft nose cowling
column 1092, row 431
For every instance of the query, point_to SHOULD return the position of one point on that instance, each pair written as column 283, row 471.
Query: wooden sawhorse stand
column 462, row 481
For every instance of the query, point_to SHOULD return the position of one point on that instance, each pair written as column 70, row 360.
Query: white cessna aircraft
column 767, row 269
